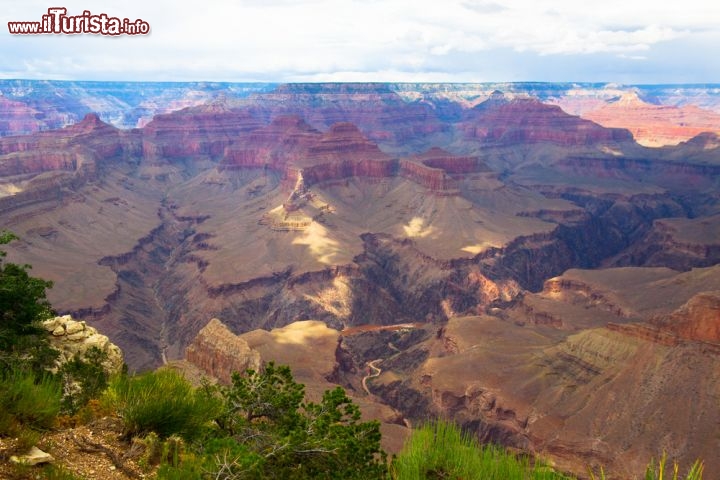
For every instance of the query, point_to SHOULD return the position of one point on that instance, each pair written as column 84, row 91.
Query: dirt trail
column 376, row 373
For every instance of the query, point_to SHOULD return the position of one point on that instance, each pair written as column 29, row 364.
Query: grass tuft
column 162, row 402
column 28, row 404
column 440, row 450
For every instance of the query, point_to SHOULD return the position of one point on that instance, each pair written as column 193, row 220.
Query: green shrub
column 191, row 467
column 27, row 401
column 440, row 450
column 288, row 438
column 83, row 379
column 57, row 472
column 23, row 305
column 657, row 472
column 162, row 402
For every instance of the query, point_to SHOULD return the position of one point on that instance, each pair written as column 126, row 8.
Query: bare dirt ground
column 92, row 451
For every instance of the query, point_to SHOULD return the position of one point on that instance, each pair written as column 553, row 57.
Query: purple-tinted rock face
column 489, row 258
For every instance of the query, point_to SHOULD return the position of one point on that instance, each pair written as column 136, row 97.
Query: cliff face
column 526, row 121
column 37, row 167
column 219, row 353
column 433, row 169
column 575, row 391
column 655, row 125
column 285, row 140
column 697, row 320
column 291, row 147
column 91, row 136
column 233, row 210
column 205, row 130
column 344, row 152
column 434, row 179
column 677, row 243
column 380, row 113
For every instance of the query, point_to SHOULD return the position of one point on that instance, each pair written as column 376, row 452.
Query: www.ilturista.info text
column 58, row 22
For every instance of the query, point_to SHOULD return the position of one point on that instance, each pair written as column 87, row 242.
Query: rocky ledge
column 72, row 338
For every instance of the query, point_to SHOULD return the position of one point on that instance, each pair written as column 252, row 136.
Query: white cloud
column 353, row 39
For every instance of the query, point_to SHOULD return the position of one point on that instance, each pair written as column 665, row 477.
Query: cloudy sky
column 624, row 41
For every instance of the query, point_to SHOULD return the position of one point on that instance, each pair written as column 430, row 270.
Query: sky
column 621, row 41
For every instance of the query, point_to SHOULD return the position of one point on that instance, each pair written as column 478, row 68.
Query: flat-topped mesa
column 434, row 179
column 433, row 169
column 341, row 152
column 523, row 120
column 285, row 140
column 655, row 125
column 73, row 148
column 380, row 113
column 302, row 154
column 436, row 157
column 196, row 131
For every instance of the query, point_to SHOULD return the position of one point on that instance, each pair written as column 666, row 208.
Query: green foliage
column 56, row 472
column 162, row 402
column 272, row 396
column 83, row 379
column 27, row 404
column 266, row 416
column 23, row 306
column 268, row 431
column 191, row 467
column 440, row 450
column 657, row 472
column 43, row 472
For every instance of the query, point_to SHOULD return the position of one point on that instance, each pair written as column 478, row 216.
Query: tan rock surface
column 309, row 347
column 73, row 339
column 219, row 352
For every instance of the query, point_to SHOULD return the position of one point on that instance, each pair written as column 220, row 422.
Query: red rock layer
column 379, row 112
column 219, row 352
column 698, row 319
column 432, row 178
column 439, row 158
column 206, row 130
column 498, row 120
column 645, row 332
column 285, row 140
column 290, row 146
column 655, row 125
column 72, row 148
column 16, row 117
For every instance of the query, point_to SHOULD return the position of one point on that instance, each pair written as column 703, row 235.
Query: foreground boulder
column 34, row 457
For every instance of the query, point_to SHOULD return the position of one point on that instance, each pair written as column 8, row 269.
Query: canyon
column 548, row 282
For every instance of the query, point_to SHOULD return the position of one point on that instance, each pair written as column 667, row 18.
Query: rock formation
column 577, row 392
column 655, row 125
column 74, row 338
column 697, row 320
column 34, row 457
column 309, row 347
column 500, row 120
column 219, row 353
column 464, row 241
column 196, row 131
